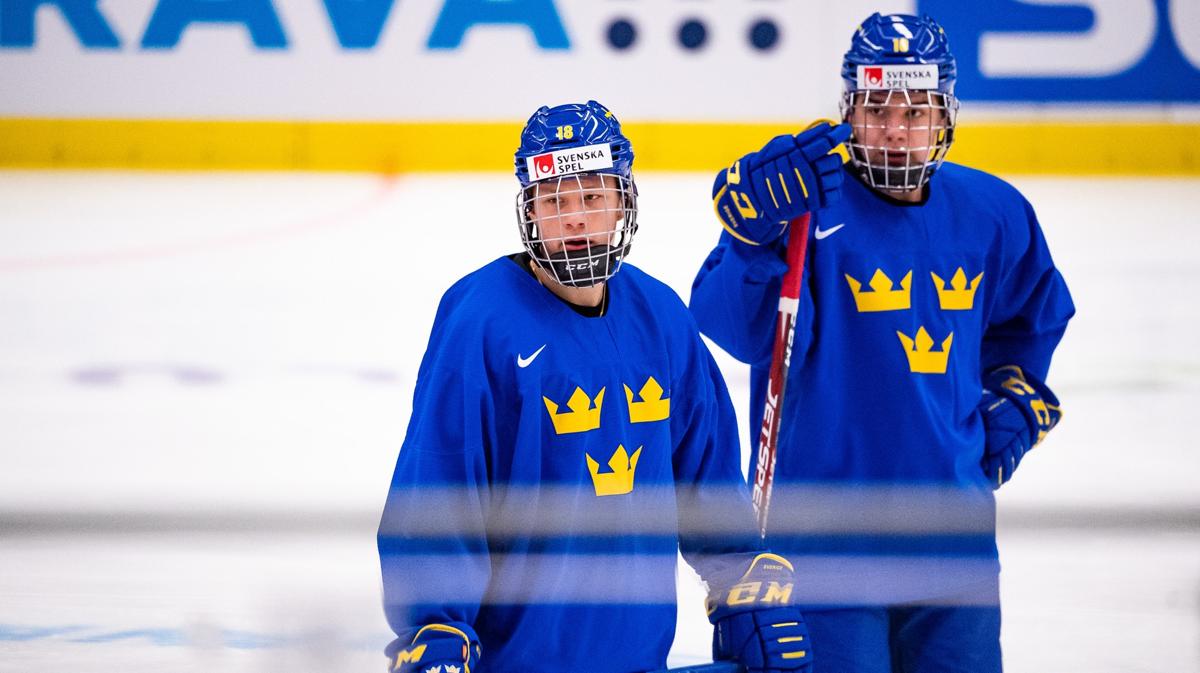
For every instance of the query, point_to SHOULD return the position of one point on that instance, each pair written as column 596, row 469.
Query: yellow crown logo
column 652, row 407
column 581, row 416
column 881, row 297
column 921, row 358
column 620, row 480
column 960, row 296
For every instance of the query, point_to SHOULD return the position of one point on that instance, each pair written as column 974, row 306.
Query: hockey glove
column 760, row 193
column 754, row 624
column 439, row 648
column 1018, row 411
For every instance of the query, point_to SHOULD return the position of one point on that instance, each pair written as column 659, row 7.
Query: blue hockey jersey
column 879, row 495
column 553, row 466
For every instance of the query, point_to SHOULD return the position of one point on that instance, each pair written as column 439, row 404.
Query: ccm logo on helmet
column 582, row 266
column 566, row 162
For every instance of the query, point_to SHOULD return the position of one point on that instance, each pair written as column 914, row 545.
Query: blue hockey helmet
column 571, row 126
column 898, row 98
column 897, row 40
column 577, row 207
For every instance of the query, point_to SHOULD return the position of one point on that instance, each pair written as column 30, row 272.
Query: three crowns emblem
column 957, row 295
column 583, row 414
column 619, row 480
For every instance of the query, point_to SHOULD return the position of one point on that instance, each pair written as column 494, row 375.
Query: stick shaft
column 781, row 360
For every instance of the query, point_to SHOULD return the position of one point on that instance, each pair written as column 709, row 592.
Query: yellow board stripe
column 1089, row 148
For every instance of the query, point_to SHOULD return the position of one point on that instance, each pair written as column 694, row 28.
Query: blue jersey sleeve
column 718, row 534
column 735, row 297
column 432, row 542
column 1032, row 304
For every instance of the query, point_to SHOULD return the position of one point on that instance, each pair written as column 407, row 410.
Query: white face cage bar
column 578, row 227
column 900, row 136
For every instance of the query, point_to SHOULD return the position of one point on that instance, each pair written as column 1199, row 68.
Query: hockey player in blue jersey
column 929, row 311
column 570, row 433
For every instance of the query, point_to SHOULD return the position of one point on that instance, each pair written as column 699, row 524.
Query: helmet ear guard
column 575, row 169
column 898, row 78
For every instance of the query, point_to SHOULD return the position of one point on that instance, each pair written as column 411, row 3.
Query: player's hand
column 754, row 623
column 439, row 648
column 1018, row 411
column 764, row 641
column 791, row 175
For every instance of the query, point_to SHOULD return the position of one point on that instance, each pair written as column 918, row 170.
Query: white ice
column 204, row 380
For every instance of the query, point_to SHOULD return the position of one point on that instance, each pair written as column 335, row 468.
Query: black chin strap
column 525, row 261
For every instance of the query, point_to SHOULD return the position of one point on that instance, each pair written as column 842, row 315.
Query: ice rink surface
column 204, row 380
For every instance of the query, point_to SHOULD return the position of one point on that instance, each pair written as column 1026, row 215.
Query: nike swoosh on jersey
column 524, row 362
column 827, row 232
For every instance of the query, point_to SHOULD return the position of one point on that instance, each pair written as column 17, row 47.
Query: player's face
column 898, row 129
column 577, row 211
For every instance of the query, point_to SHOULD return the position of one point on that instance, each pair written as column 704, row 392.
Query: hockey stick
column 781, row 360
column 715, row 667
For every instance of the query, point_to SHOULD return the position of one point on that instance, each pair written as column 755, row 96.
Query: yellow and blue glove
column 439, row 648
column 760, row 193
column 1018, row 411
column 754, row 622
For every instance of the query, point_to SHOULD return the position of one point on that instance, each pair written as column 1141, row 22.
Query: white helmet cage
column 578, row 227
column 900, row 136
